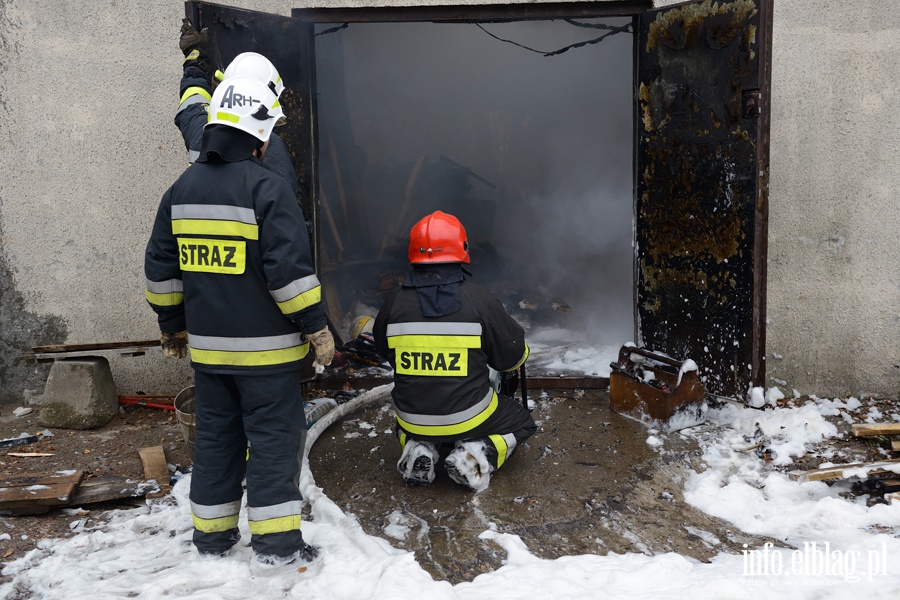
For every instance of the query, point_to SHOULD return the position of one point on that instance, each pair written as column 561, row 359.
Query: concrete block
column 80, row 394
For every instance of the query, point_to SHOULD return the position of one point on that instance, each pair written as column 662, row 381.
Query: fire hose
column 381, row 393
column 312, row 494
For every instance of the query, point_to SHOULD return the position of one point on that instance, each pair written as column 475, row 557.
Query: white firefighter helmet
column 258, row 67
column 361, row 325
column 246, row 104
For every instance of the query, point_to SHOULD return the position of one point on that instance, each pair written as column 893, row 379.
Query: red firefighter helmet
column 438, row 238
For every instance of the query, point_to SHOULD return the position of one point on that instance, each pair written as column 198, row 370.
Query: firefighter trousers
column 231, row 411
column 510, row 425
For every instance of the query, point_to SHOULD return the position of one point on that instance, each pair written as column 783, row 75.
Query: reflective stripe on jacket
column 442, row 388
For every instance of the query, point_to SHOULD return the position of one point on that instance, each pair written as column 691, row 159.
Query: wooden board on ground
column 895, row 445
column 60, row 351
column 35, row 493
column 155, row 468
column 95, row 346
column 846, row 471
column 876, row 429
column 105, row 488
column 30, row 454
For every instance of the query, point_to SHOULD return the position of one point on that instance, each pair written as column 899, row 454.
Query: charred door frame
column 697, row 153
column 470, row 13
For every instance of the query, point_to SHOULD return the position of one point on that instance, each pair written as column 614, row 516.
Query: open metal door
column 701, row 205
column 288, row 43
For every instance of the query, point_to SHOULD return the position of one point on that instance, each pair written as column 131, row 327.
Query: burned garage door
column 653, row 232
column 701, row 187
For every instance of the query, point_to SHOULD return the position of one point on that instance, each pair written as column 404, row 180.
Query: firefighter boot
column 306, row 560
column 470, row 465
column 416, row 464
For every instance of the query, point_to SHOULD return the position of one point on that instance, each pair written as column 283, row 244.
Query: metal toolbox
column 657, row 389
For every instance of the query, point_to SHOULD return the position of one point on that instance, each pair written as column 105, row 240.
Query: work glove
column 174, row 345
column 191, row 39
column 323, row 342
column 194, row 46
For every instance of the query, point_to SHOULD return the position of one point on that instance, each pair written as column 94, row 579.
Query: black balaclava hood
column 224, row 143
column 437, row 286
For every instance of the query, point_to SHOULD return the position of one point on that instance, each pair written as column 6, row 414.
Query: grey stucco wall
column 88, row 94
column 88, row 91
column 834, row 256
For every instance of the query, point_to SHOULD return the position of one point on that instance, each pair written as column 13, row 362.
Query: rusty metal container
column 657, row 389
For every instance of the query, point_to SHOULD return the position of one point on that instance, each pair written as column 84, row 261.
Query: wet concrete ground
column 586, row 482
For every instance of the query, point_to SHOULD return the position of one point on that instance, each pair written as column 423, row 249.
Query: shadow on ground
column 586, row 483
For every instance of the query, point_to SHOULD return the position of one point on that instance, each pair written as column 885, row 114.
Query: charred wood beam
column 473, row 13
column 612, row 31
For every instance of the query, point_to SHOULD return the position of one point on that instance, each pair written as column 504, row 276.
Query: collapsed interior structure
column 609, row 161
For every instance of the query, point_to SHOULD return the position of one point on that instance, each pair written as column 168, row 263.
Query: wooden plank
column 872, row 430
column 126, row 351
column 895, row 445
column 886, row 486
column 845, row 471
column 155, row 468
column 104, row 489
column 51, row 356
column 30, row 454
column 41, row 489
column 93, row 346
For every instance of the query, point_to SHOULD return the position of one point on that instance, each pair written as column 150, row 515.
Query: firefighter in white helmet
column 230, row 275
column 197, row 83
column 258, row 67
column 443, row 335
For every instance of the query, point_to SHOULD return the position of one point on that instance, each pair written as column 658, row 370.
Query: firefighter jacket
column 229, row 260
column 442, row 390
column 193, row 112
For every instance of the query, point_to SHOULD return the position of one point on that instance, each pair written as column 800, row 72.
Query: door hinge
column 752, row 104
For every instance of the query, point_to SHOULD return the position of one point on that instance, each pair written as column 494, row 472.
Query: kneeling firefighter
column 443, row 335
column 230, row 275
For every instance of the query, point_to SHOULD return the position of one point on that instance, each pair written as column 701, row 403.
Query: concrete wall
column 834, row 253
column 88, row 91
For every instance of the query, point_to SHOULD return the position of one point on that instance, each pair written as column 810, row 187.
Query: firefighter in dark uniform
column 443, row 335
column 230, row 275
column 198, row 79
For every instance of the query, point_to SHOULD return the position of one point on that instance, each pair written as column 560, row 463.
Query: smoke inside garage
column 533, row 153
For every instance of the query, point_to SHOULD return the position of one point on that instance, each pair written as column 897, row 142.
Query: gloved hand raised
column 194, row 47
column 174, row 345
column 191, row 39
column 323, row 342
